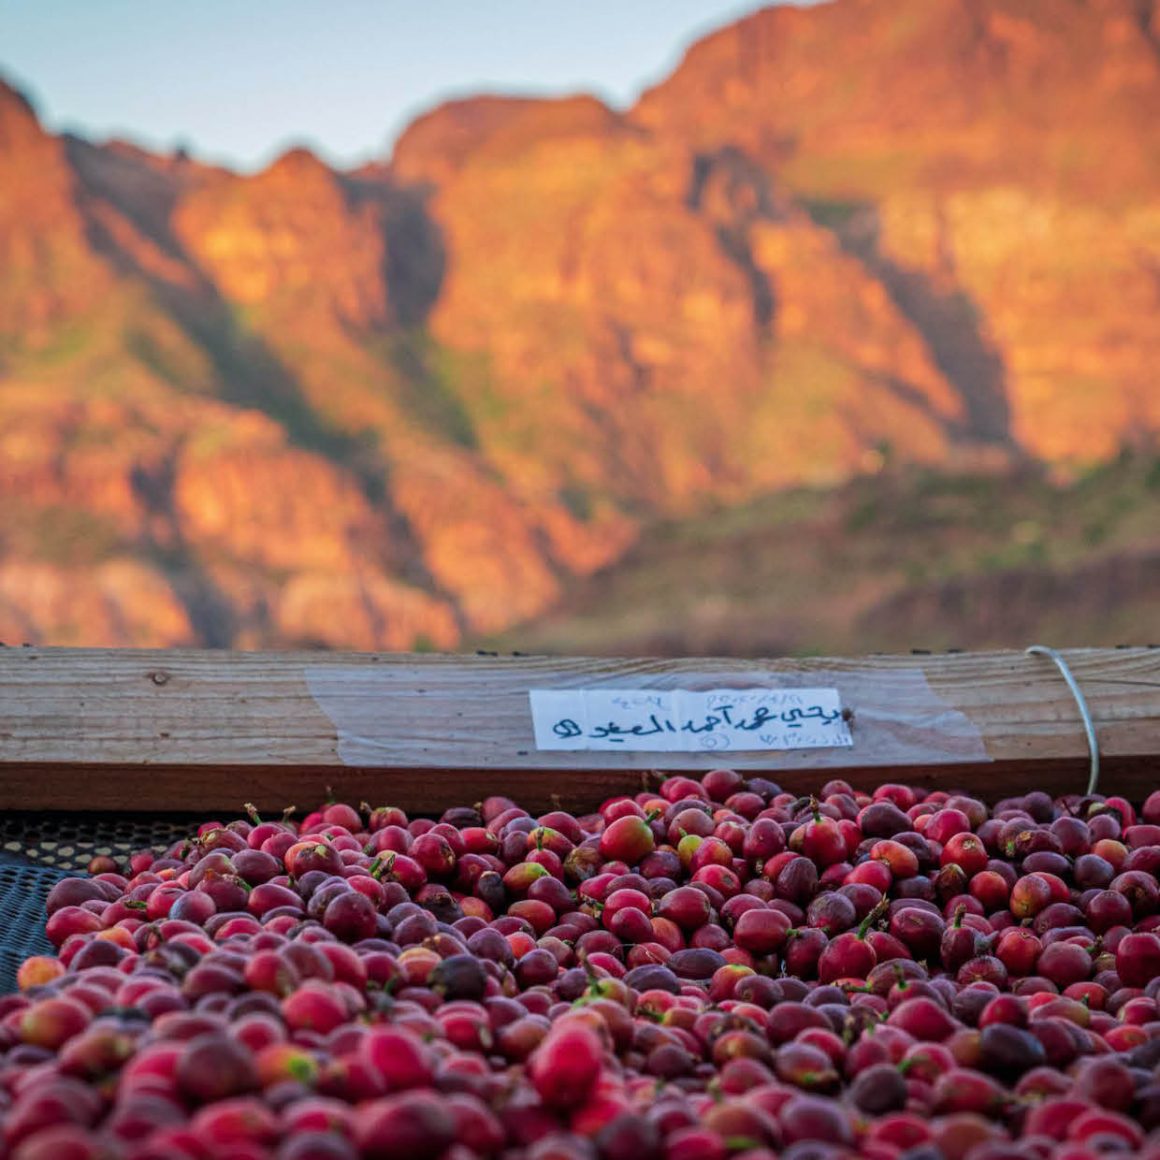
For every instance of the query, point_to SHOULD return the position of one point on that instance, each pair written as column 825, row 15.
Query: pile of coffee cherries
column 711, row 968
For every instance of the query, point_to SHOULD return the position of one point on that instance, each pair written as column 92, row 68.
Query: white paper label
column 684, row 721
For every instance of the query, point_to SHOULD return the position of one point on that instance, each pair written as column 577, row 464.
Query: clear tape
column 1042, row 650
column 477, row 715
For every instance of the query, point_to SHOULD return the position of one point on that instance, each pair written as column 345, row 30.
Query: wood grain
column 178, row 730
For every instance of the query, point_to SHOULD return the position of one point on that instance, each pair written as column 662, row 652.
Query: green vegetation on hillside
column 908, row 558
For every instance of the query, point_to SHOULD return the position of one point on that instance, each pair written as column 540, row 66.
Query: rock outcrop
column 406, row 405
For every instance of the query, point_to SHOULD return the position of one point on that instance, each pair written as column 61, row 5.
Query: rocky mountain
column 411, row 405
column 912, row 558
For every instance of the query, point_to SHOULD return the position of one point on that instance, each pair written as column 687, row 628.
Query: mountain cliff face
column 410, row 404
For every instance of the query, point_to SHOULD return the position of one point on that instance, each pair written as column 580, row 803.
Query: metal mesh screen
column 37, row 850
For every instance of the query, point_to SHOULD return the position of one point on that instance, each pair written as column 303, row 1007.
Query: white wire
column 1081, row 702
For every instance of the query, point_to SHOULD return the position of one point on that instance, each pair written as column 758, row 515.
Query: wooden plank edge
column 160, row 789
column 142, row 769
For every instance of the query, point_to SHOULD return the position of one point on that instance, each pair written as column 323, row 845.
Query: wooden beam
column 85, row 729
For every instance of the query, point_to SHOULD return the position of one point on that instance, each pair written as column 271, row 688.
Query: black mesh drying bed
column 38, row 849
column 69, row 841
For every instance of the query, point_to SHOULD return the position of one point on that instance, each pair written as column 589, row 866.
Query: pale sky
column 239, row 80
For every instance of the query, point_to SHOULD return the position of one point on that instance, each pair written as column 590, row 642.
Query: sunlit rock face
column 412, row 403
